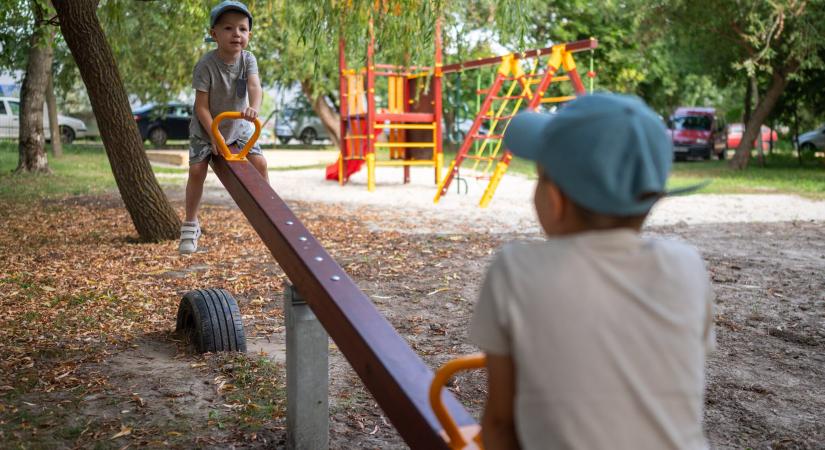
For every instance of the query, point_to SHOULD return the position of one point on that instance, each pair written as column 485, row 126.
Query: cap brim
column 687, row 189
column 524, row 134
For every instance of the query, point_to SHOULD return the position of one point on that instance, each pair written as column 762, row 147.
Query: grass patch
column 257, row 396
column 82, row 170
column 782, row 174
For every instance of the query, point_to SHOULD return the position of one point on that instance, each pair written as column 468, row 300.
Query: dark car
column 159, row 123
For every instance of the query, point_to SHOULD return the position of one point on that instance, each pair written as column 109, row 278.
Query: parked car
column 734, row 133
column 696, row 132
column 812, row 140
column 299, row 123
column 460, row 130
column 159, row 123
column 70, row 127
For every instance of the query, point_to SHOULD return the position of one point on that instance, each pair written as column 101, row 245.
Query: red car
column 734, row 136
column 695, row 132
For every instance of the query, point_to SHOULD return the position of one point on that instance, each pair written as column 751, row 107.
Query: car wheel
column 284, row 139
column 807, row 148
column 308, row 136
column 66, row 135
column 157, row 137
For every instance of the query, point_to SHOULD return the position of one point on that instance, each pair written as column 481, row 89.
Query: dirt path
column 765, row 381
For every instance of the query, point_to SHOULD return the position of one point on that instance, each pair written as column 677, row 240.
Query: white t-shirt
column 608, row 332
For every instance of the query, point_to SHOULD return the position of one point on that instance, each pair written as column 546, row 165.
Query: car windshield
column 691, row 123
column 15, row 108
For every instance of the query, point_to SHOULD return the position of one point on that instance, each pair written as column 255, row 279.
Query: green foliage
column 18, row 23
column 730, row 41
column 157, row 45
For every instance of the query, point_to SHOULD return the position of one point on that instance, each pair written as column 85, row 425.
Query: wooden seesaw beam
column 394, row 374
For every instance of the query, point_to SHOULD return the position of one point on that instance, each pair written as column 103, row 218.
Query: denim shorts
column 201, row 151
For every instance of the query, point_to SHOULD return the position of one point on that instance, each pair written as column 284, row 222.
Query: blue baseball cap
column 609, row 153
column 226, row 6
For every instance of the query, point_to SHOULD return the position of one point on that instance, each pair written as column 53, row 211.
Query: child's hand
column 250, row 114
column 214, row 148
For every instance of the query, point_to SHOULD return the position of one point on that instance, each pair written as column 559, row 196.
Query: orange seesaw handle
column 229, row 156
column 456, row 438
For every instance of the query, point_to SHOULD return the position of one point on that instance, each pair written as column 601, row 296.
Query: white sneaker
column 189, row 234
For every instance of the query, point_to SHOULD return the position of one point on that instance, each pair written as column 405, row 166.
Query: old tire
column 212, row 320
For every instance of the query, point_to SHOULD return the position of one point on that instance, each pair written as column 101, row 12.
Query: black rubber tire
column 66, row 135
column 308, row 136
column 212, row 320
column 158, row 136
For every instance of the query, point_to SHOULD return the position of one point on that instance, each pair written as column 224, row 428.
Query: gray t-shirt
column 221, row 82
column 608, row 332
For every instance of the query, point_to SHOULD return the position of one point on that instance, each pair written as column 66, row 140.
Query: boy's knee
column 197, row 171
column 258, row 161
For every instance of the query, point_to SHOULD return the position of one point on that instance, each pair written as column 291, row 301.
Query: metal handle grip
column 228, row 155
column 456, row 438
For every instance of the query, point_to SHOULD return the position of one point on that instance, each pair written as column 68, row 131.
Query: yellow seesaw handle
column 457, row 437
column 228, row 155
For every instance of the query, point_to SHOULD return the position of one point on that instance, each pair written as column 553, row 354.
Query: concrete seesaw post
column 307, row 375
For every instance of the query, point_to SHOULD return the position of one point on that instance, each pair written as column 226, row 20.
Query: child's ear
column 557, row 202
column 213, row 34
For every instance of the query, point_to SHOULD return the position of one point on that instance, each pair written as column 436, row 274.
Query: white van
column 70, row 128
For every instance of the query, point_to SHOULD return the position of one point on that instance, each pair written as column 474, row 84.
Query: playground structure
column 497, row 109
column 412, row 114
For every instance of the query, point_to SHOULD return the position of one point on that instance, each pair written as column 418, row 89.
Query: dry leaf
column 124, row 431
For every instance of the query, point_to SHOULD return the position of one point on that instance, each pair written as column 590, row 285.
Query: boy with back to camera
column 595, row 337
column 221, row 79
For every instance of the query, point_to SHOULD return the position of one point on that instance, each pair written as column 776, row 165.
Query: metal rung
column 479, row 158
column 405, row 126
column 488, row 136
column 356, row 136
column 558, row 99
column 405, row 144
column 498, row 117
column 406, row 162
column 512, row 97
column 561, row 78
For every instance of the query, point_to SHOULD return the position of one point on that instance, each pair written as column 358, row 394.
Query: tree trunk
column 746, row 115
column 759, row 152
column 54, row 126
column 32, row 140
column 753, row 127
column 152, row 215
column 329, row 117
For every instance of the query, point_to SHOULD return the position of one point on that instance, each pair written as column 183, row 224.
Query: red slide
column 350, row 167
